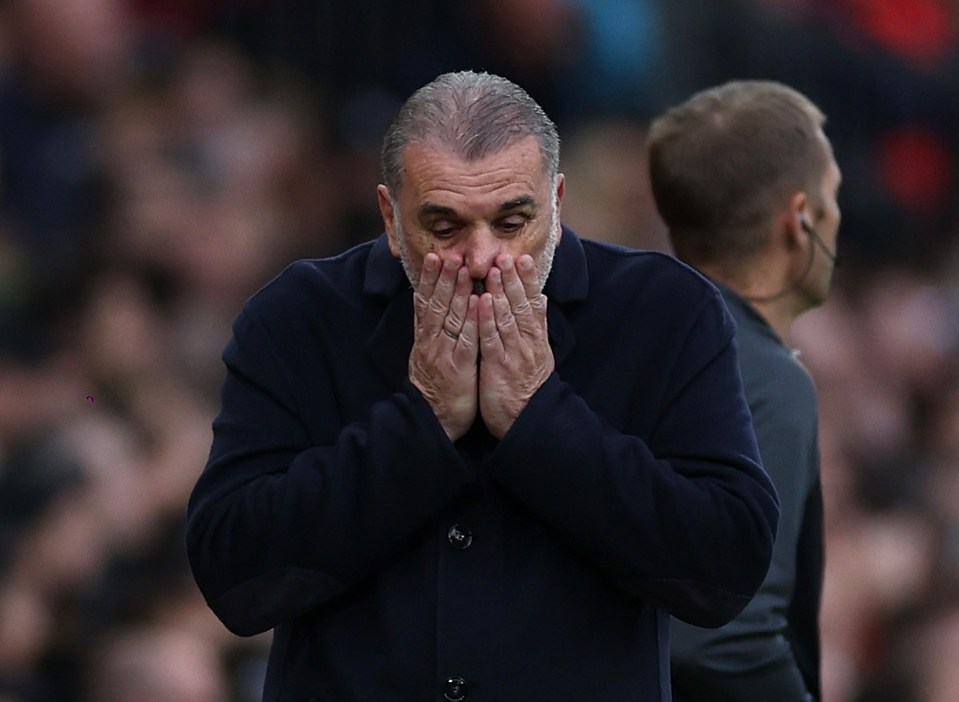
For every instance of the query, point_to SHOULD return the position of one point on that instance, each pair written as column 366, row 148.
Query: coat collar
column 392, row 339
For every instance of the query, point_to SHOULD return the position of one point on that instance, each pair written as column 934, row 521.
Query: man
column 479, row 458
column 746, row 181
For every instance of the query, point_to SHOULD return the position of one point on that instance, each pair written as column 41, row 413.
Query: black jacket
column 395, row 565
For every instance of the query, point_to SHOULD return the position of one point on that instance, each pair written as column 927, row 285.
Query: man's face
column 825, row 221
column 473, row 211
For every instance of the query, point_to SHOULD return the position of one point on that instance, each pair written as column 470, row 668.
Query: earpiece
column 808, row 228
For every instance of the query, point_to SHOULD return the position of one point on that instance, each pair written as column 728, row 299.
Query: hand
column 516, row 358
column 443, row 361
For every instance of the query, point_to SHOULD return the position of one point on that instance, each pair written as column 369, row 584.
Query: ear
column 388, row 213
column 797, row 212
column 560, row 192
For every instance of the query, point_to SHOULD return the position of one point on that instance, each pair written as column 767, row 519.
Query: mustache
column 479, row 286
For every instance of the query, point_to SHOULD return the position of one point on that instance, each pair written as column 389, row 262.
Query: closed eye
column 512, row 224
column 444, row 229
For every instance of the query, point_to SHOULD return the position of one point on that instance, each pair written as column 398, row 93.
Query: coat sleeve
column 279, row 522
column 683, row 518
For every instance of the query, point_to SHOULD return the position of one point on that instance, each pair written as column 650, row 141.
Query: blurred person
column 880, row 416
column 63, row 61
column 144, row 424
column 35, row 395
column 937, row 673
column 920, row 665
column 915, row 326
column 156, row 663
column 74, row 50
column 863, row 403
column 215, row 186
column 479, row 457
column 51, row 549
column 46, row 512
column 745, row 179
column 118, row 332
column 583, row 59
column 576, row 58
column 68, row 58
column 175, row 422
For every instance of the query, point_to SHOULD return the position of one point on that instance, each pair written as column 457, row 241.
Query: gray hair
column 471, row 114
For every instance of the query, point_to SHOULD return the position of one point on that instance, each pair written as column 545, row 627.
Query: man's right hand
column 443, row 362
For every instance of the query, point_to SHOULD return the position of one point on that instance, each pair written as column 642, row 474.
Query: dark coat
column 395, row 565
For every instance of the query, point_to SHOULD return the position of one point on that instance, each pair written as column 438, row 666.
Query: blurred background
column 160, row 160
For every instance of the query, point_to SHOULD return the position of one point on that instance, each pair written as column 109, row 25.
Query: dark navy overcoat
column 395, row 565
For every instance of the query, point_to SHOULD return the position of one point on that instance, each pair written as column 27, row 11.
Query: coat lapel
column 392, row 339
column 567, row 284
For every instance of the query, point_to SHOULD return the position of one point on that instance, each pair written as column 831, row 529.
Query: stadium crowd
column 162, row 160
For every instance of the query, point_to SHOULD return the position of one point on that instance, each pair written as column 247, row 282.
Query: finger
column 526, row 268
column 429, row 274
column 461, row 295
column 535, row 321
column 445, row 285
column 490, row 343
column 512, row 285
column 467, row 346
column 502, row 309
column 438, row 304
column 525, row 318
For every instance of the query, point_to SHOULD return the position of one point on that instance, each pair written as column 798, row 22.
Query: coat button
column 460, row 537
column 454, row 690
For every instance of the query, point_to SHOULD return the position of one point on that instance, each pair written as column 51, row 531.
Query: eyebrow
column 517, row 203
column 432, row 209
column 520, row 202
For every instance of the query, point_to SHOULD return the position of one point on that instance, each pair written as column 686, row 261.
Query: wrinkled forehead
column 525, row 152
column 517, row 168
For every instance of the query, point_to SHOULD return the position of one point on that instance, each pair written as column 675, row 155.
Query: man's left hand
column 516, row 358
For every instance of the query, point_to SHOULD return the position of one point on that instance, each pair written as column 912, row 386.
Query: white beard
column 544, row 262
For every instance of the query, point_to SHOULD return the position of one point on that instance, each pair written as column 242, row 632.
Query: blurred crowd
column 160, row 160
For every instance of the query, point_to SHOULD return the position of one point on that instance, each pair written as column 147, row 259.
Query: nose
column 480, row 251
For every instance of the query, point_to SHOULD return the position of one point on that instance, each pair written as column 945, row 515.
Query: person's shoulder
column 655, row 290
column 312, row 282
column 767, row 363
column 331, row 270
